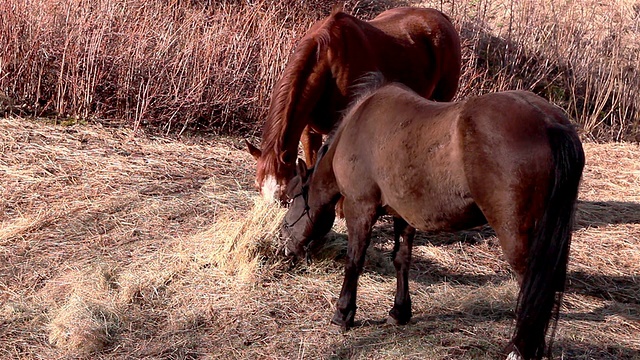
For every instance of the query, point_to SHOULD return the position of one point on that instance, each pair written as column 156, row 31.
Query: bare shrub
column 582, row 55
column 168, row 63
column 206, row 64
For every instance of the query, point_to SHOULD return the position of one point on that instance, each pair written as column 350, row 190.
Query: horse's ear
column 302, row 168
column 254, row 151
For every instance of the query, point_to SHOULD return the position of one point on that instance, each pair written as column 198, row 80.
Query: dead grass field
column 118, row 244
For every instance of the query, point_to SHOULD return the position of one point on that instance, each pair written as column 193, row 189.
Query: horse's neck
column 323, row 190
column 294, row 98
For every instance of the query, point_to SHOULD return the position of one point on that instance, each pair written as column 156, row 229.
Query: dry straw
column 81, row 327
column 246, row 245
column 120, row 244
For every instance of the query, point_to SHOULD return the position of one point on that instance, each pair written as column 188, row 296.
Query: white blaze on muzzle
column 514, row 356
column 271, row 190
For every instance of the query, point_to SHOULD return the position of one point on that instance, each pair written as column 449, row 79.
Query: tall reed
column 204, row 64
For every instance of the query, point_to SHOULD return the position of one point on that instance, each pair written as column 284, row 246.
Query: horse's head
column 272, row 175
column 297, row 226
column 305, row 222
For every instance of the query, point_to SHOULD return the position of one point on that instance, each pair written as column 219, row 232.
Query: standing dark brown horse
column 417, row 47
column 511, row 159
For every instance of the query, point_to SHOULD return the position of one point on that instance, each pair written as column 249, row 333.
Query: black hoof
column 342, row 320
column 399, row 316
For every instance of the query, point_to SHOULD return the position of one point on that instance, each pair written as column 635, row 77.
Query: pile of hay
column 245, row 244
column 82, row 327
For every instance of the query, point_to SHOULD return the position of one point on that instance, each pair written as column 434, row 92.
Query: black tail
column 544, row 280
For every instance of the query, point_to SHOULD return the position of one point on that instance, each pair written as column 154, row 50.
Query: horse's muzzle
column 291, row 248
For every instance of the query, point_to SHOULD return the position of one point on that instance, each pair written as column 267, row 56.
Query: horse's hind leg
column 403, row 236
column 515, row 247
column 360, row 217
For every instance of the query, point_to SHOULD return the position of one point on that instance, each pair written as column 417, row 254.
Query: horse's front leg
column 311, row 142
column 403, row 236
column 360, row 218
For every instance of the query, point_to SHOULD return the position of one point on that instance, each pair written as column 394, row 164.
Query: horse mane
column 362, row 89
column 289, row 89
column 366, row 85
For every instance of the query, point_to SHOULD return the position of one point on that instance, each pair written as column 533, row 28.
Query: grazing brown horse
column 417, row 47
column 511, row 159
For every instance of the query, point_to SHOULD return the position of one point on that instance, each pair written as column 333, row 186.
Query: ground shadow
column 364, row 347
column 621, row 289
column 450, row 331
column 570, row 350
column 601, row 213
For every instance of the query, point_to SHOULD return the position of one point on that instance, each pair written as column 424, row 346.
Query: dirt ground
column 120, row 244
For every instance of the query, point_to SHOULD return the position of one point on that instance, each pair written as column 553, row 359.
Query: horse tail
column 544, row 280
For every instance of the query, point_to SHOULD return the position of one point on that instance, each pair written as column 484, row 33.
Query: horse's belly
column 430, row 208
column 443, row 214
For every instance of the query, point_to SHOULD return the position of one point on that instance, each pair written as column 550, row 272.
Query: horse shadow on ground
column 603, row 213
column 622, row 293
column 425, row 335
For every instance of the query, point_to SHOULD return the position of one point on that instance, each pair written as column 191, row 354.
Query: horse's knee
column 339, row 208
column 518, row 265
column 515, row 251
column 311, row 142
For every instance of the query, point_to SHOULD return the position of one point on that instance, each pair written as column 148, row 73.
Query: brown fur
column 511, row 159
column 414, row 46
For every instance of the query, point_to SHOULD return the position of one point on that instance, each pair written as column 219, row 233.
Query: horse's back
column 505, row 138
column 438, row 164
column 436, row 51
column 507, row 154
column 407, row 148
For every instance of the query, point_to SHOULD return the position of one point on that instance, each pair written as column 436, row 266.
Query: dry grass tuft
column 84, row 317
column 82, row 328
column 246, row 245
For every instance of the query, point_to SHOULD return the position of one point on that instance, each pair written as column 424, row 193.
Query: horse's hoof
column 397, row 322
column 392, row 321
column 345, row 322
column 398, row 317
column 336, row 320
